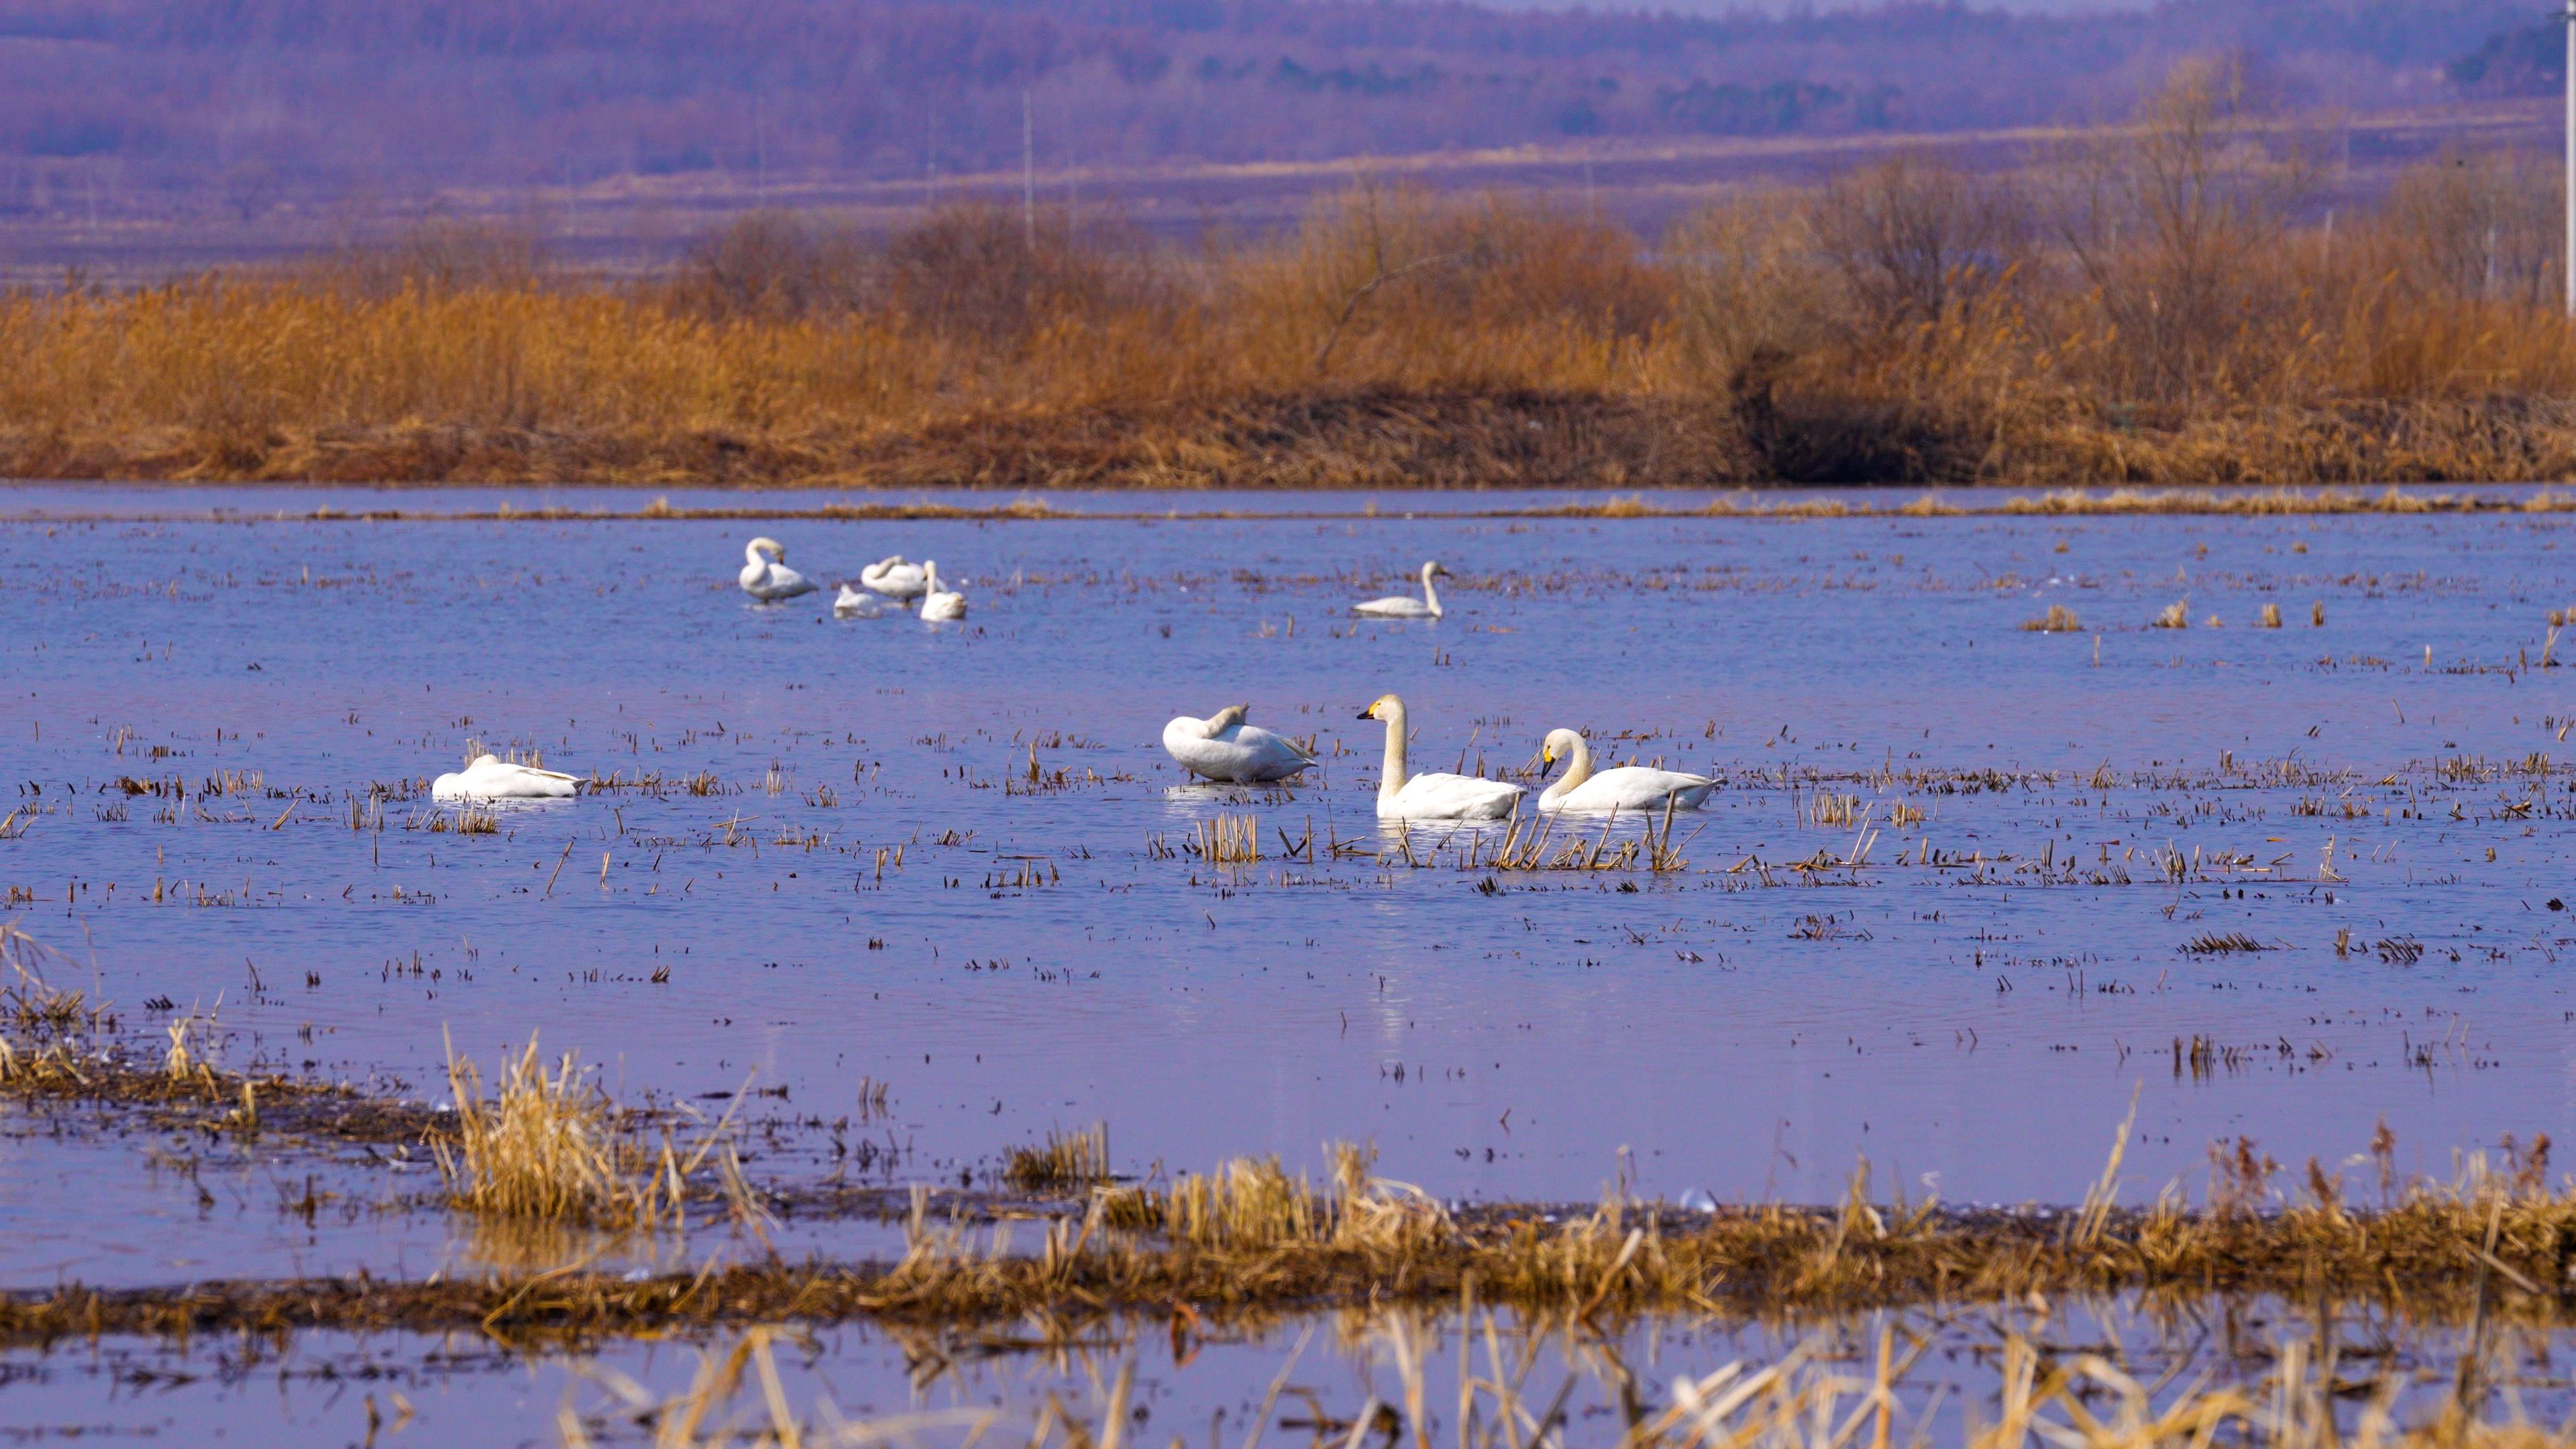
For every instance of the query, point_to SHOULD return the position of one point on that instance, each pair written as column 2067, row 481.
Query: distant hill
column 236, row 105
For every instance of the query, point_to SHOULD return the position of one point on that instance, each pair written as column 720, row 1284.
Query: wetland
column 2122, row 943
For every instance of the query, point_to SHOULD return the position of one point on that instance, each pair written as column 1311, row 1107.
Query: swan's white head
column 1387, row 706
column 930, row 573
column 1434, row 569
column 1559, row 745
column 752, row 551
column 1228, row 717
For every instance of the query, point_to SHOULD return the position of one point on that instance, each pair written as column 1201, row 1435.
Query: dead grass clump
column 31, row 1005
column 2176, row 615
column 2216, row 944
column 2271, row 617
column 1067, row 1160
column 1226, row 840
column 549, row 1146
column 2058, row 620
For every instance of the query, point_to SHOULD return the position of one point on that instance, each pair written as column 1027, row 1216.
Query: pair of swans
column 491, row 778
column 937, row 602
column 1405, row 606
column 1225, row 749
column 1402, row 795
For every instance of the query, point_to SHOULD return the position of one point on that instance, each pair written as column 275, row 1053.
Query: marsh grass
column 1066, row 1160
column 1907, row 324
column 549, row 1146
column 2058, row 620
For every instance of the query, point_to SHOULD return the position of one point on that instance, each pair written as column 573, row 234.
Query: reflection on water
column 2106, row 1372
column 1964, row 888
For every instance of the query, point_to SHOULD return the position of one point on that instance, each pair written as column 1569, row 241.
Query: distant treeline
column 2139, row 306
column 249, row 104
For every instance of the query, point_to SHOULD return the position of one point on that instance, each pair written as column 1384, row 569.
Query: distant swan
column 851, row 604
column 896, row 579
column 1623, row 788
column 768, row 578
column 1401, row 796
column 938, row 603
column 491, row 779
column 1405, row 606
column 1222, row 747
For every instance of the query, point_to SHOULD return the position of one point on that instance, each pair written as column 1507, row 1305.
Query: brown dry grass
column 1249, row 1238
column 2137, row 312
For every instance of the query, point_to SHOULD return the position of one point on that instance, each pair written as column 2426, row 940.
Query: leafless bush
column 2170, row 222
column 993, row 275
column 774, row 265
column 2481, row 225
column 1915, row 238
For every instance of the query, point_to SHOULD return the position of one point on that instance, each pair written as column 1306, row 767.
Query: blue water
column 1968, row 1028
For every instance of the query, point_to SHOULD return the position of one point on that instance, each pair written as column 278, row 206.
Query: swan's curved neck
column 1392, row 781
column 752, row 555
column 1430, row 595
column 1578, row 767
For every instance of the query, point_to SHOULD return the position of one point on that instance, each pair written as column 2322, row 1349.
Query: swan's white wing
column 1634, row 787
column 1452, row 797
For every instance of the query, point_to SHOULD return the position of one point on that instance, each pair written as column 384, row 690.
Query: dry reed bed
column 2086, row 319
column 2066, row 503
column 1250, row 1240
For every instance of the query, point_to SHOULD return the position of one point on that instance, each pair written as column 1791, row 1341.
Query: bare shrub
column 775, row 265
column 2169, row 222
column 1917, row 239
column 2478, row 225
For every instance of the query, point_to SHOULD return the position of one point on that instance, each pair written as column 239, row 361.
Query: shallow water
column 1972, row 1026
column 940, row 1388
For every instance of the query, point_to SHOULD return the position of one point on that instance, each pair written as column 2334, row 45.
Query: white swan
column 492, row 779
column 1405, row 606
column 1401, row 796
column 851, row 604
column 767, row 578
column 1624, row 788
column 938, row 603
column 896, row 579
column 1223, row 747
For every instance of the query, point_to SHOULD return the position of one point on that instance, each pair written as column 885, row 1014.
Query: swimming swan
column 851, row 604
column 769, row 578
column 1405, row 606
column 1624, row 788
column 894, row 578
column 1401, row 796
column 1222, row 747
column 938, row 603
column 490, row 779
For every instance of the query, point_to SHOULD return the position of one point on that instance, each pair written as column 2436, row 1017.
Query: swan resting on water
column 1222, row 747
column 851, row 604
column 939, row 603
column 765, row 574
column 489, row 778
column 1405, row 606
column 895, row 579
column 1403, row 796
column 1623, row 788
